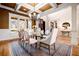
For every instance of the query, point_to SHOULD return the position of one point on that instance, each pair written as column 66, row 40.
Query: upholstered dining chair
column 38, row 31
column 30, row 32
column 47, row 34
column 21, row 35
column 50, row 40
column 29, row 40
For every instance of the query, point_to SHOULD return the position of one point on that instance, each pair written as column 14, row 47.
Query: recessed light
column 24, row 9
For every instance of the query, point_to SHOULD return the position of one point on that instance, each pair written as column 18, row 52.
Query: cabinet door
column 4, row 19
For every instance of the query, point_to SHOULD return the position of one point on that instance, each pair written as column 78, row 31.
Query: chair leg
column 49, row 49
column 39, row 45
column 29, row 50
column 36, row 45
column 54, row 46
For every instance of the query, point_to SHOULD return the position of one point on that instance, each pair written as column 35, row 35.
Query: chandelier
column 33, row 15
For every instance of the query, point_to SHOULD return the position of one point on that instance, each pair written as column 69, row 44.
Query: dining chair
column 47, row 32
column 50, row 40
column 21, row 34
column 21, row 37
column 30, row 32
column 29, row 40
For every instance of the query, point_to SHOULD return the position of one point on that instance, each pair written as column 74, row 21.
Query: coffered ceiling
column 31, row 7
column 45, row 7
column 33, row 4
column 11, row 5
column 23, row 9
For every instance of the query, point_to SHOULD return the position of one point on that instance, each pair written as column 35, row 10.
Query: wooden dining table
column 38, row 38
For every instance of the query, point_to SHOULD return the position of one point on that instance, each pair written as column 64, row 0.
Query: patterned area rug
column 22, row 50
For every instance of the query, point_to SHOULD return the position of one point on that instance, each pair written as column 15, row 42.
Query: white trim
column 22, row 12
column 38, row 11
column 28, row 6
column 38, row 6
column 54, row 5
column 18, row 6
column 11, row 9
column 1, row 6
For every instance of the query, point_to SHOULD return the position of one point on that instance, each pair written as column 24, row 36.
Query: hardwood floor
column 75, row 51
column 4, row 48
column 16, row 49
column 64, row 39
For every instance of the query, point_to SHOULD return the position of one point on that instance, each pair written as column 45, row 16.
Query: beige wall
column 61, row 16
column 78, row 19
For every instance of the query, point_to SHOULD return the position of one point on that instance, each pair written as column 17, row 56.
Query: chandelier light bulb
column 30, row 15
column 34, row 14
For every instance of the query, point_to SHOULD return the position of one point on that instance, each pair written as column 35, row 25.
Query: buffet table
column 66, row 32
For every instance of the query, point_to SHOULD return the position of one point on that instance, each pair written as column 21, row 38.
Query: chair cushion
column 46, row 36
column 46, row 41
column 42, row 40
column 32, row 41
column 47, row 32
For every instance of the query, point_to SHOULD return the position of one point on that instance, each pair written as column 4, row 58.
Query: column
column 30, row 24
column 37, row 23
column 74, row 40
column 24, row 24
column 18, row 24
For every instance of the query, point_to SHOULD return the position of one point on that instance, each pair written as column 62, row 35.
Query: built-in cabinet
column 12, row 21
column 4, row 19
column 17, row 22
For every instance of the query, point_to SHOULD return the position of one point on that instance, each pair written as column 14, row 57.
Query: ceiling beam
column 22, row 12
column 28, row 6
column 8, row 8
column 11, row 9
column 18, row 6
column 38, row 11
column 54, row 5
column 25, row 5
column 40, row 5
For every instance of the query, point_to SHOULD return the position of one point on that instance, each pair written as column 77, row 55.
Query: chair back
column 53, row 36
column 30, row 32
column 21, row 34
column 47, row 32
column 38, row 32
column 26, row 36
